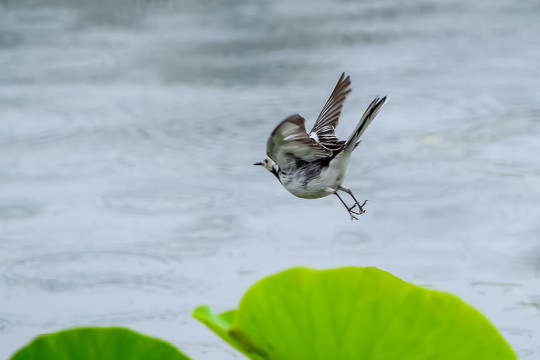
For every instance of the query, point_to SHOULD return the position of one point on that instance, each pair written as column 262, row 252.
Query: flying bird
column 313, row 165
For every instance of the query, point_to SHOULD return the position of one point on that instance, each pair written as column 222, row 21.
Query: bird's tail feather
column 370, row 113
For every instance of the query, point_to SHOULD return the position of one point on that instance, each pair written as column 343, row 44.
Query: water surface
column 128, row 130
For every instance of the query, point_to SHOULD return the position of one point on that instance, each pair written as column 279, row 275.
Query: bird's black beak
column 259, row 164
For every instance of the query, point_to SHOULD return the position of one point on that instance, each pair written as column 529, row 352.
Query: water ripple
column 17, row 209
column 83, row 269
column 39, row 126
column 9, row 39
column 134, row 316
column 4, row 323
column 205, row 237
column 98, row 307
column 154, row 199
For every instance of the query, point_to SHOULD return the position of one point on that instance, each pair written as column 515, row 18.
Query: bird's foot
column 352, row 209
column 352, row 212
column 352, row 216
column 360, row 210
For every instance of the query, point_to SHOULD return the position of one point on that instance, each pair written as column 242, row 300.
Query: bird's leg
column 349, row 209
column 356, row 203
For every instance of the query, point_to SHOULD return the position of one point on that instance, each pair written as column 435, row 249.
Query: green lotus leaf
column 98, row 343
column 353, row 313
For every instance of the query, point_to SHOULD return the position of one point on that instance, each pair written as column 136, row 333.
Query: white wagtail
column 313, row 165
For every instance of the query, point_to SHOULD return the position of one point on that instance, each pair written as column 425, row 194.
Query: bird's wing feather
column 289, row 143
column 328, row 119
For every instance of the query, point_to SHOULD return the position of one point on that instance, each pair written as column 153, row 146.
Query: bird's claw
column 352, row 209
column 359, row 212
column 360, row 208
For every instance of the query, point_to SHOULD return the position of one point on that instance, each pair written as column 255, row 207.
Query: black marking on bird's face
column 271, row 166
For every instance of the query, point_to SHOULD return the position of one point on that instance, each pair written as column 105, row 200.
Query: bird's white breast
column 312, row 182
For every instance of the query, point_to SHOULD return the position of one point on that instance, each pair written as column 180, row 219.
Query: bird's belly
column 307, row 193
column 325, row 183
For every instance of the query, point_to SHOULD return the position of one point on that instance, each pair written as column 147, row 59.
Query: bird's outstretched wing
column 324, row 129
column 290, row 143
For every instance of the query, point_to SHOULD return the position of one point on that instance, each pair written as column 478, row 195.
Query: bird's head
column 270, row 165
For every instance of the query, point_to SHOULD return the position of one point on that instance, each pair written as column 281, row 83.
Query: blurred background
column 128, row 129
